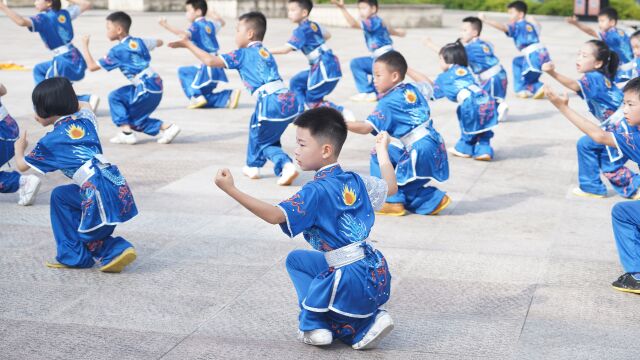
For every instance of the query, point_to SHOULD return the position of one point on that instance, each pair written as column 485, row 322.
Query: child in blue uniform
column 342, row 283
column 634, row 39
column 199, row 82
column 276, row 106
column 131, row 105
column 525, row 32
column 599, row 64
column 615, row 38
column 311, row 86
column 85, row 213
column 625, row 215
column 377, row 36
column 53, row 24
column 27, row 186
column 404, row 113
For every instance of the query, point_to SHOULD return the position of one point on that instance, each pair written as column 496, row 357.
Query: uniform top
column 480, row 55
column 523, row 33
column 255, row 64
column 55, row 27
column 306, row 37
column 451, row 82
column 376, row 34
column 618, row 41
column 203, row 34
column 9, row 130
column 131, row 56
column 602, row 97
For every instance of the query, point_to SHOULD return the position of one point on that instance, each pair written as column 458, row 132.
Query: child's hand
column 401, row 32
column 163, row 21
column 382, row 141
column 557, row 100
column 572, row 20
column 548, row 67
column 338, row 3
column 224, row 179
column 482, row 16
column 182, row 43
column 21, row 144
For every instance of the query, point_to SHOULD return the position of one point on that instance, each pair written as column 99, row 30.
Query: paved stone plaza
column 515, row 268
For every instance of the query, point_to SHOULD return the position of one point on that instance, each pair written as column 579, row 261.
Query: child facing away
column 11, row 181
column 616, row 39
column 131, row 105
column 599, row 64
column 311, row 86
column 54, row 25
column 403, row 112
column 276, row 106
column 525, row 32
column 377, row 36
column 83, row 214
column 342, row 283
column 200, row 81
column 625, row 215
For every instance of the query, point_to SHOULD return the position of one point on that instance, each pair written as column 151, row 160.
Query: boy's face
column 295, row 13
column 383, row 78
column 635, row 45
column 114, row 31
column 310, row 154
column 586, row 60
column 41, row 5
column 244, row 34
column 468, row 33
column 515, row 15
column 631, row 107
column 604, row 23
column 191, row 13
column 366, row 11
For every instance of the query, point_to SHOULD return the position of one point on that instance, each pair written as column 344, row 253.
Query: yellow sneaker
column 234, row 99
column 636, row 196
column 54, row 264
column 523, row 94
column 539, row 94
column 392, row 209
column 116, row 265
column 578, row 192
column 484, row 157
column 444, row 203
column 197, row 103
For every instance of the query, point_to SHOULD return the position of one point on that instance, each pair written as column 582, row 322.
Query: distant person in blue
column 53, row 24
column 377, row 36
column 131, row 105
column 525, row 31
column 403, row 112
column 11, row 181
column 343, row 283
column 634, row 39
column 625, row 216
column 200, row 81
column 83, row 214
column 599, row 65
column 276, row 106
column 617, row 40
column 311, row 86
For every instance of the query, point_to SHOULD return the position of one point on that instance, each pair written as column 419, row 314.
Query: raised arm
column 165, row 24
column 19, row 148
column 347, row 16
column 359, row 127
column 589, row 128
column 566, row 81
column 395, row 32
column 281, row 50
column 262, row 209
column 386, row 168
column 92, row 65
column 14, row 16
column 205, row 57
column 216, row 17
column 585, row 28
column 500, row 26
column 83, row 4
column 418, row 76
column 431, row 45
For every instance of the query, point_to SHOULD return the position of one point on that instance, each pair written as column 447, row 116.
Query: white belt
column 137, row 80
column 345, row 255
column 531, row 48
column 628, row 66
column 86, row 171
column 465, row 93
column 315, row 53
column 381, row 51
column 3, row 112
column 490, row 72
column 61, row 50
column 416, row 134
column 270, row 88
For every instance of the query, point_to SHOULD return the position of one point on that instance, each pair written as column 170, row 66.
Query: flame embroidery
column 486, row 49
column 410, row 96
column 348, row 195
column 529, row 28
column 75, row 132
column 461, row 72
column 264, row 53
column 133, row 45
column 207, row 29
column 314, row 27
column 607, row 82
column 62, row 19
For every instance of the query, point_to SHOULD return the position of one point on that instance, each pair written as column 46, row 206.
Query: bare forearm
column 360, row 127
column 21, row 165
column 215, row 16
column 175, row 30
column 387, row 171
column 586, row 29
column 500, row 26
column 16, row 18
column 205, row 57
column 350, row 19
column 281, row 50
column 568, row 82
column 418, row 76
column 92, row 65
column 261, row 209
column 84, row 4
column 589, row 128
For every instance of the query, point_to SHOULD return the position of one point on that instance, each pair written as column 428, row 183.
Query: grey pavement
column 516, row 268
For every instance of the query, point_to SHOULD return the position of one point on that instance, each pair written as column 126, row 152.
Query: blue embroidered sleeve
column 511, row 29
column 297, row 39
column 439, row 86
column 379, row 118
column 110, row 61
column 233, row 60
column 300, row 211
column 628, row 143
column 37, row 22
column 590, row 85
column 41, row 159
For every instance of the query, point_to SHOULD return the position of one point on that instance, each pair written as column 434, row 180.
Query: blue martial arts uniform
column 378, row 40
column 133, row 104
column 333, row 211
column 9, row 133
column 404, row 113
column 311, row 86
column 486, row 67
column 618, row 40
column 276, row 106
column 527, row 68
column 83, row 214
column 201, row 80
column 604, row 100
column 477, row 110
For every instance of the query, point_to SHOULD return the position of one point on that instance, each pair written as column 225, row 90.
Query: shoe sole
column 235, row 100
column 626, row 290
column 391, row 213
column 289, row 181
column 118, row 264
column 197, row 105
column 442, row 206
column 588, row 195
column 539, row 95
column 56, row 265
column 483, row 158
column 170, row 140
column 459, row 154
column 374, row 342
column 33, row 197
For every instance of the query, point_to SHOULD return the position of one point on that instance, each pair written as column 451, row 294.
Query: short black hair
column 635, row 34
column 121, row 18
column 54, row 97
column 304, row 4
column 326, row 124
column 55, row 4
column 520, row 6
column 454, row 53
column 395, row 62
column 475, row 22
column 199, row 5
column 609, row 12
column 632, row 85
column 370, row 2
column 257, row 22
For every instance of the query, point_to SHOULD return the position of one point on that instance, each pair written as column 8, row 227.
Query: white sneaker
column 579, row 192
column 197, row 102
column 234, row 99
column 94, row 101
column 251, row 172
column 318, row 337
column 381, row 328
column 503, row 111
column 457, row 153
column 366, row 97
column 123, row 138
column 348, row 115
column 289, row 173
column 29, row 186
column 169, row 134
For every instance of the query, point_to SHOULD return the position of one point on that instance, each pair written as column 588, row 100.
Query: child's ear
column 395, row 76
column 327, row 151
